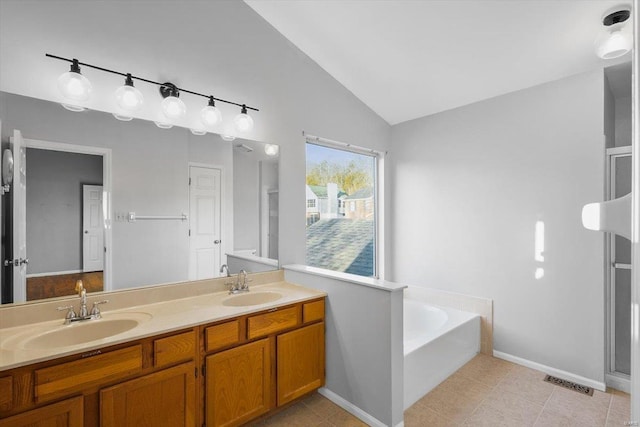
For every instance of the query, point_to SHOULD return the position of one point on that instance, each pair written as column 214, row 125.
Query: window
column 311, row 203
column 342, row 233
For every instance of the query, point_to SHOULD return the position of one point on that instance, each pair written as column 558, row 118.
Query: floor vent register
column 582, row 389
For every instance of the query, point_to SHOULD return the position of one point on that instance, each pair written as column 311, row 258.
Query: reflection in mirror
column 126, row 204
column 255, row 207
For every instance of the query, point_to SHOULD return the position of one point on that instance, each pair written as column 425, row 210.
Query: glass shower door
column 620, row 272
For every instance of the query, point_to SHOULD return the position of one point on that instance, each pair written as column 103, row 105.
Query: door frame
column 107, row 208
column 614, row 379
column 225, row 236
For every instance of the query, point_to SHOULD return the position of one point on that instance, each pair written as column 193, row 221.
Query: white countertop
column 156, row 318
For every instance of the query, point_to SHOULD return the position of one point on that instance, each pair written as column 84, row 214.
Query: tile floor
column 485, row 392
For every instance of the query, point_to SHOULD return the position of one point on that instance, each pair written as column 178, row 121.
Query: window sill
column 346, row 277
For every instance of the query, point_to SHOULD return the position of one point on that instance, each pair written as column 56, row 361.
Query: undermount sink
column 252, row 298
column 85, row 331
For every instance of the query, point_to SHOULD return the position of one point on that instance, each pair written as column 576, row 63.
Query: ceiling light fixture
column 210, row 115
column 271, row 149
column 615, row 39
column 243, row 122
column 74, row 86
column 77, row 88
column 128, row 97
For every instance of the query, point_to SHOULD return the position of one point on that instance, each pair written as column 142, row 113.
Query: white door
column 19, row 198
column 92, row 229
column 204, row 216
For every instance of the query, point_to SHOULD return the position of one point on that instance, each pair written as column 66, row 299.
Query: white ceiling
column 406, row 58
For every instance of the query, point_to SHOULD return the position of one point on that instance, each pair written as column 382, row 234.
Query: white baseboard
column 619, row 383
column 353, row 409
column 551, row 371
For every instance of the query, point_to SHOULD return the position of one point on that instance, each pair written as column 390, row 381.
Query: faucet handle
column 95, row 310
column 71, row 314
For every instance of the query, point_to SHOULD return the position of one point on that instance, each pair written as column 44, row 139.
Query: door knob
column 217, row 242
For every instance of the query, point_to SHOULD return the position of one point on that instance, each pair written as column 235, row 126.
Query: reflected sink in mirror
column 83, row 332
column 255, row 298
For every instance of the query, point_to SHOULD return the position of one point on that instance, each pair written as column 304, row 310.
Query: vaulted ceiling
column 406, row 59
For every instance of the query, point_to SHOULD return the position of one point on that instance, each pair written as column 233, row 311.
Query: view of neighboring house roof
column 341, row 245
column 363, row 193
column 321, row 191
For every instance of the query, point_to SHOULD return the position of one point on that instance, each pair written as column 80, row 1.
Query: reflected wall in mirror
column 255, row 207
column 164, row 201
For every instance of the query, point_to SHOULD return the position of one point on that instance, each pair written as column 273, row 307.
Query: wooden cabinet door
column 68, row 413
column 164, row 398
column 238, row 384
column 300, row 356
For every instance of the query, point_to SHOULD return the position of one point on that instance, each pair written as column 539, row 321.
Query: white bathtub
column 437, row 342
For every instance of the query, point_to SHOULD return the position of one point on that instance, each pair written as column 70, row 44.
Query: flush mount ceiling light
column 271, row 149
column 243, row 122
column 615, row 39
column 75, row 88
column 128, row 97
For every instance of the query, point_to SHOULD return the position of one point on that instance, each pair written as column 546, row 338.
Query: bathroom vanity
column 212, row 359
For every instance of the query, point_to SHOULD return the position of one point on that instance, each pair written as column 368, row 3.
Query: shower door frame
column 613, row 378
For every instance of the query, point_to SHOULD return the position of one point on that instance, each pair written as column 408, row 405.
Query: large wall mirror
column 126, row 204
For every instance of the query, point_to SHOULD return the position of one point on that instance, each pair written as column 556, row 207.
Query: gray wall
column 623, row 121
column 246, row 203
column 149, row 176
column 54, row 208
column 471, row 184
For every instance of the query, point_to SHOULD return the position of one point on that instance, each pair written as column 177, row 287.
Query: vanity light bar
column 95, row 67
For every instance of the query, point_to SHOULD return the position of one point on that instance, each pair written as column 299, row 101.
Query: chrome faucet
column 83, row 314
column 241, row 284
column 223, row 268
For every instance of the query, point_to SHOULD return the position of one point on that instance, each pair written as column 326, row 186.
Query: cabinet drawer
column 222, row 335
column 176, row 348
column 68, row 413
column 66, row 378
column 273, row 321
column 6, row 393
column 312, row 311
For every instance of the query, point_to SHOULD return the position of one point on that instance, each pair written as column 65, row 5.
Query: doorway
column 50, row 190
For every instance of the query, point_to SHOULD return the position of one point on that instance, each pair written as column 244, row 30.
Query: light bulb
column 173, row 107
column 128, row 97
column 210, row 115
column 271, row 149
column 73, row 85
column 198, row 131
column 243, row 122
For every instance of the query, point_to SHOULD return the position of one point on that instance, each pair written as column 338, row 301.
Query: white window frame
column 379, row 185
